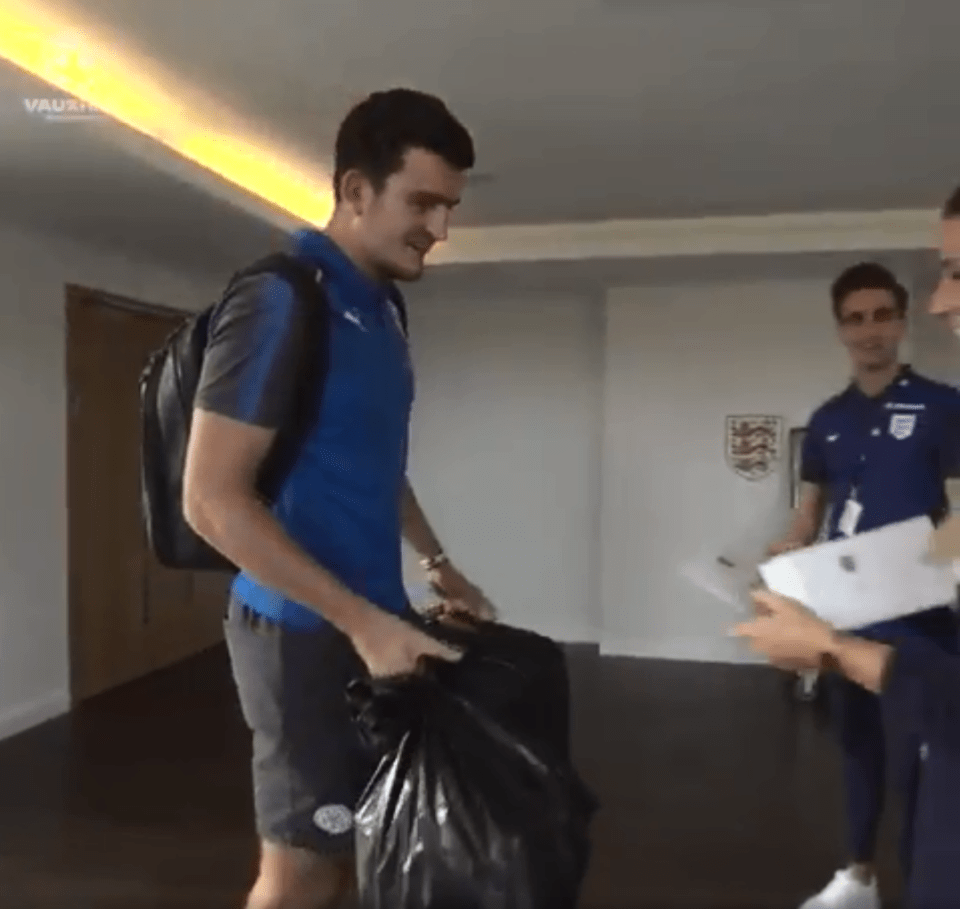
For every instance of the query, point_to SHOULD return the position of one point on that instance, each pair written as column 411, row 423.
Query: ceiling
column 86, row 181
column 581, row 109
column 915, row 268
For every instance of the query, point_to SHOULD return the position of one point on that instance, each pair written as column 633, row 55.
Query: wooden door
column 128, row 615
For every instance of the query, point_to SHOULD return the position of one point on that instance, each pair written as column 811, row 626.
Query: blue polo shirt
column 893, row 453
column 341, row 502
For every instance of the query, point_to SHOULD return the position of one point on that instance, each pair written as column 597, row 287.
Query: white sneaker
column 845, row 892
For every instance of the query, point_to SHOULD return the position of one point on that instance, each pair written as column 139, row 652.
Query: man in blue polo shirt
column 320, row 592
column 877, row 453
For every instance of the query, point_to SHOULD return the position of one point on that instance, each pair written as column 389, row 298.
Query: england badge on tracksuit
column 901, row 425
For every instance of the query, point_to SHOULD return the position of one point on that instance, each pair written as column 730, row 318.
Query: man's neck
column 340, row 234
column 873, row 382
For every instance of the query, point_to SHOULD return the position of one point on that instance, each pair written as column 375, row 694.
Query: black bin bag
column 475, row 803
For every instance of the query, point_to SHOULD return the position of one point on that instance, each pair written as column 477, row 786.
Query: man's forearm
column 805, row 523
column 805, row 527
column 416, row 528
column 807, row 516
column 248, row 535
column 863, row 662
column 800, row 533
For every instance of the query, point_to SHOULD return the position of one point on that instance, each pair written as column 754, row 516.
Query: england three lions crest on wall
column 753, row 445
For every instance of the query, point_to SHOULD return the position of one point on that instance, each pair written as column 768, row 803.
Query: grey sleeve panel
column 253, row 355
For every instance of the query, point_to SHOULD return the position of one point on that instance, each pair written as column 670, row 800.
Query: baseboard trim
column 693, row 650
column 22, row 717
column 559, row 633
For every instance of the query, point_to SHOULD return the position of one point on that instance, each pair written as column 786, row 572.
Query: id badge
column 850, row 517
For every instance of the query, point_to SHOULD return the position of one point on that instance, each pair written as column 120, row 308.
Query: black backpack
column 168, row 386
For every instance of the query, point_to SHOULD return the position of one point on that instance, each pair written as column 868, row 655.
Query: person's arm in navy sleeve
column 950, row 447
column 922, row 680
column 808, row 515
column 246, row 390
column 917, row 680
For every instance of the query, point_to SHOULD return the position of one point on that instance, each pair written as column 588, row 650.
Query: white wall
column 33, row 526
column 505, row 452
column 679, row 360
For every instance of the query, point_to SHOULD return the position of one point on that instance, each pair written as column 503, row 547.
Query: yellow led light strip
column 68, row 57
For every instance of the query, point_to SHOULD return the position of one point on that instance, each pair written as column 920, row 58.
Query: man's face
column 398, row 226
column 945, row 301
column 871, row 328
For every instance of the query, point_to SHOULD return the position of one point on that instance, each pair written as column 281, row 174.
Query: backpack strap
column 309, row 293
column 307, row 283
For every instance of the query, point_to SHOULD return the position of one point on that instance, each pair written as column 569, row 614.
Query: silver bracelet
column 436, row 561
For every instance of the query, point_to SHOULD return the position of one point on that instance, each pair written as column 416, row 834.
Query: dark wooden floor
column 716, row 793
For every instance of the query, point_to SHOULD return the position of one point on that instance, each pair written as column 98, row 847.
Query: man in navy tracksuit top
column 320, row 587
column 877, row 453
column 916, row 677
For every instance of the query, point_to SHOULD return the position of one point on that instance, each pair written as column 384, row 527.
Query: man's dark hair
column 867, row 276
column 376, row 134
column 951, row 208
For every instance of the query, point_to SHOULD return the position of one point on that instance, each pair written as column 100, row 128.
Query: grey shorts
column 310, row 765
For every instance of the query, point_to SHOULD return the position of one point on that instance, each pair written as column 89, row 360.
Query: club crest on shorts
column 901, row 425
column 753, row 445
column 333, row 819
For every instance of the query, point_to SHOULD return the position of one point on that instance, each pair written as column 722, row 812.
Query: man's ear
column 354, row 189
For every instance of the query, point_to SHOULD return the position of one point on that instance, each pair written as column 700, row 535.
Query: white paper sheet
column 871, row 577
column 727, row 580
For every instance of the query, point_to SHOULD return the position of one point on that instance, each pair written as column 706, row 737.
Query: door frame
column 77, row 296
column 75, row 292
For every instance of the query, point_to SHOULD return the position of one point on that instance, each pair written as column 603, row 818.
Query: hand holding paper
column 786, row 633
column 871, row 577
